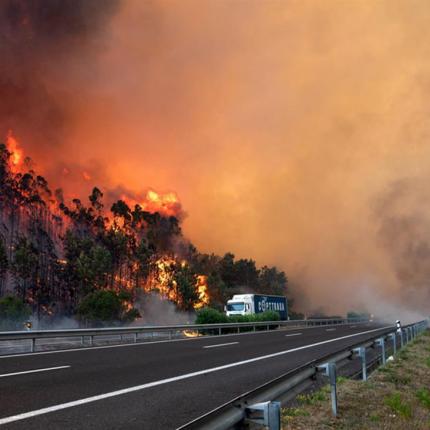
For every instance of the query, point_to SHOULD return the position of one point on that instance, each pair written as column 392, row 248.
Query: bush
column 13, row 313
column 210, row 316
column 107, row 306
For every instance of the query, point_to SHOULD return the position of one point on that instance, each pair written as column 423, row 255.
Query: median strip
column 96, row 398
column 220, row 344
column 33, row 371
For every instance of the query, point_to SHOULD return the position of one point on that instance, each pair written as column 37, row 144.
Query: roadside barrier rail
column 88, row 336
column 269, row 396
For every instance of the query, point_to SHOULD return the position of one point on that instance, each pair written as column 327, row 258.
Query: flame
column 162, row 280
column 86, row 176
column 166, row 204
column 17, row 153
column 202, row 290
column 191, row 333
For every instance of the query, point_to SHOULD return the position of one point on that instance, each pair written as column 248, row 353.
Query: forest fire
column 202, row 290
column 128, row 245
column 162, row 279
column 166, row 204
column 17, row 153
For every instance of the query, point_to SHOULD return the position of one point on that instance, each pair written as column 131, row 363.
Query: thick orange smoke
column 294, row 132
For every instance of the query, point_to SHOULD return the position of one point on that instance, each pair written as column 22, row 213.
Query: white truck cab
column 240, row 304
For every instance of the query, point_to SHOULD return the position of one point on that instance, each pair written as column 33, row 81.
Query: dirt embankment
column 395, row 397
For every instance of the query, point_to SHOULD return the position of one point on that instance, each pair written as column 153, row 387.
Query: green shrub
column 13, row 313
column 210, row 316
column 107, row 306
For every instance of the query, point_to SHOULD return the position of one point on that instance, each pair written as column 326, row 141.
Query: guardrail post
column 91, row 340
column 33, row 345
column 134, row 337
column 381, row 343
column 266, row 414
column 393, row 338
column 362, row 354
column 400, row 331
column 219, row 331
column 82, row 341
column 330, row 371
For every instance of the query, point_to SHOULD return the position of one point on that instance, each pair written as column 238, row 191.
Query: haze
column 294, row 132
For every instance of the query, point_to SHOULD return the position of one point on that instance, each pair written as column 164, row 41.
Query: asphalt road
column 154, row 385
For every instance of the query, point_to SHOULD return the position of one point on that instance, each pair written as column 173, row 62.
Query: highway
column 157, row 385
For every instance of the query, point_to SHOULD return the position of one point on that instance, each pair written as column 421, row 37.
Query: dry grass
column 396, row 397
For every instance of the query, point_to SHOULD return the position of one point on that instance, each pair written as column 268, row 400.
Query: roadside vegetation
column 395, row 397
column 13, row 313
column 213, row 316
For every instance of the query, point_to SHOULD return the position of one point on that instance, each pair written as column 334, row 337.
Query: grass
column 313, row 398
column 395, row 402
column 396, row 397
column 423, row 395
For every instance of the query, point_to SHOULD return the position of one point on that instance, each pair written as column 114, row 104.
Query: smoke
column 48, row 49
column 293, row 132
column 157, row 311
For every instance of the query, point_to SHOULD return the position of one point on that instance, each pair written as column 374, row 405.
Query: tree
column 93, row 268
column 186, row 281
column 121, row 210
column 4, row 264
column 25, row 265
column 142, row 255
column 271, row 281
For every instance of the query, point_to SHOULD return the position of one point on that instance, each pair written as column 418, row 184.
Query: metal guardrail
column 287, row 386
column 87, row 336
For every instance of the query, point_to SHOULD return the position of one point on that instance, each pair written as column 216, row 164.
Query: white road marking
column 330, row 329
column 293, row 334
column 220, row 344
column 33, row 371
column 92, row 399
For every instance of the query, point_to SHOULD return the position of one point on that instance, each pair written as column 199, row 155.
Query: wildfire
column 202, row 290
column 16, row 152
column 164, row 270
column 191, row 333
column 166, row 204
column 162, row 279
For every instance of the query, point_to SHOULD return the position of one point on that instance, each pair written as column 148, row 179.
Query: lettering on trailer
column 264, row 306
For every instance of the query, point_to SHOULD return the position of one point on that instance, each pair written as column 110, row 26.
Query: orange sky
column 294, row 132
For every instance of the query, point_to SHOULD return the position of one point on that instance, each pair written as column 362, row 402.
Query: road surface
column 158, row 385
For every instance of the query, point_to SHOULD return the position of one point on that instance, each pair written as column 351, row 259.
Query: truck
column 250, row 304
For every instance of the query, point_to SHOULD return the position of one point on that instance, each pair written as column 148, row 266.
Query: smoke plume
column 293, row 132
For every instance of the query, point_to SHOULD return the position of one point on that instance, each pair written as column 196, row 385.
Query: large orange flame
column 17, row 154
